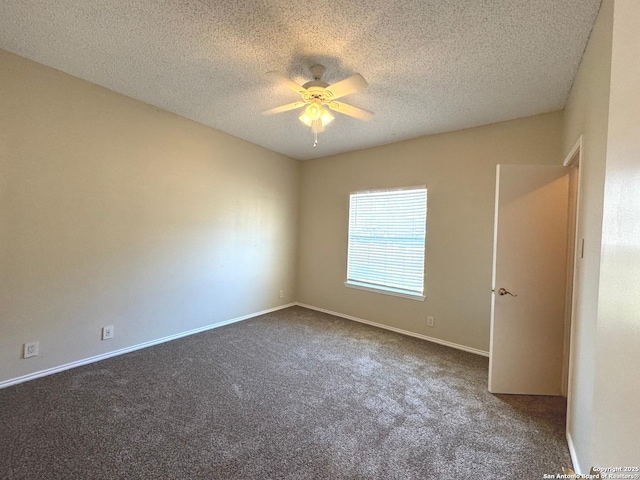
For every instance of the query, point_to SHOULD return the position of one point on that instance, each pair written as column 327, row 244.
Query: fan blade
column 284, row 108
column 279, row 78
column 350, row 110
column 345, row 87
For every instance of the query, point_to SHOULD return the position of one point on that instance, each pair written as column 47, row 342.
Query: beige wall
column 459, row 170
column 115, row 212
column 617, row 388
column 586, row 114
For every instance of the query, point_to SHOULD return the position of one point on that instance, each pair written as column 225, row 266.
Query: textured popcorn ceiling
column 432, row 65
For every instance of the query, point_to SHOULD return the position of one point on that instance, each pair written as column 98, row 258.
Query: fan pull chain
column 315, row 139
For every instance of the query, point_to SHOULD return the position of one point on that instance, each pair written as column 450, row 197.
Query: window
column 387, row 241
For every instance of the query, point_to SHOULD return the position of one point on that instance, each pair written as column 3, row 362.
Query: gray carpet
column 295, row 394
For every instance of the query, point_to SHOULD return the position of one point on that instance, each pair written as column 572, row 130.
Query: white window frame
column 386, row 290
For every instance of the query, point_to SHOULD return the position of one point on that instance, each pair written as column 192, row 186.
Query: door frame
column 573, row 159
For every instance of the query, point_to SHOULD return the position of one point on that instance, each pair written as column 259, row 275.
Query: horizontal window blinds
column 387, row 239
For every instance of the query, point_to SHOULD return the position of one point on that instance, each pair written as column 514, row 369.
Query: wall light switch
column 31, row 349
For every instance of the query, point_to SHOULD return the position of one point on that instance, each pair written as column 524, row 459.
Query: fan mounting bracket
column 317, row 71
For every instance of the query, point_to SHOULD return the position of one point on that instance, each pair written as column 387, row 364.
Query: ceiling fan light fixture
column 311, row 113
column 315, row 113
column 326, row 117
column 306, row 119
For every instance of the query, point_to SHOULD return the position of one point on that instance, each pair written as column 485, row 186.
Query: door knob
column 504, row 291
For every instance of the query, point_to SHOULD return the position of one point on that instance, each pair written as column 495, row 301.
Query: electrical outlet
column 107, row 332
column 31, row 349
column 281, row 294
column 430, row 321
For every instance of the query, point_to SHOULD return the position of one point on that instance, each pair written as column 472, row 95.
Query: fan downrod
column 317, row 71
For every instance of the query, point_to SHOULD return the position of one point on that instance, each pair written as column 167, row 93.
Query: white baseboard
column 572, row 452
column 398, row 330
column 122, row 351
column 103, row 356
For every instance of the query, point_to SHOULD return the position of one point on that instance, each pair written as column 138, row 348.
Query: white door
column 529, row 280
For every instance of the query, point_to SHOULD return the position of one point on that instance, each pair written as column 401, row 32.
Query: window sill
column 385, row 291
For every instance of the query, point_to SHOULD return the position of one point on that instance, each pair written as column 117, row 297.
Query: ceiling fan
column 316, row 95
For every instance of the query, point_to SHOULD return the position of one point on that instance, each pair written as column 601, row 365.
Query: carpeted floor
column 294, row 394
